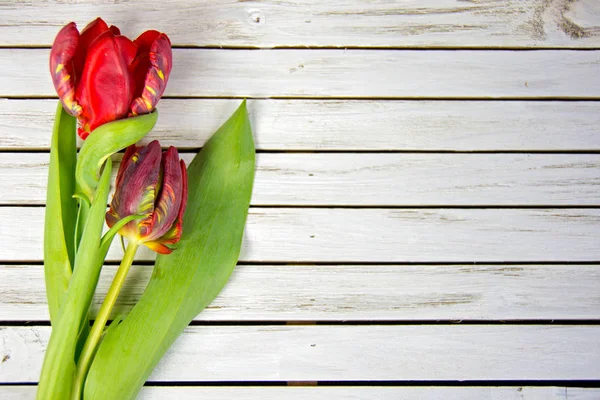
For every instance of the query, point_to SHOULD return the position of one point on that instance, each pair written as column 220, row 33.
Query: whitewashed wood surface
column 407, row 23
column 345, row 393
column 314, row 235
column 315, row 179
column 354, row 293
column 309, row 73
column 425, row 222
column 358, row 125
column 351, row 353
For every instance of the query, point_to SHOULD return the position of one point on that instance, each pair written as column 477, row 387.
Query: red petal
column 156, row 70
column 145, row 40
column 169, row 198
column 111, row 218
column 61, row 67
column 174, row 234
column 142, row 65
column 130, row 151
column 116, row 31
column 83, row 134
column 106, row 86
column 90, row 33
column 135, row 191
column 184, row 192
column 158, row 247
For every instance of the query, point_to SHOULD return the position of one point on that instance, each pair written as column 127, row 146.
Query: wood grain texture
column 377, row 179
column 411, row 23
column 348, row 73
column 348, row 353
column 347, row 125
column 374, row 235
column 344, row 292
column 343, row 393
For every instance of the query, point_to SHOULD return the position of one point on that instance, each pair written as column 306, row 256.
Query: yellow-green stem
column 91, row 343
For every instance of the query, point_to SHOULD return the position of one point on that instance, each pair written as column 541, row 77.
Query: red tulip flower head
column 154, row 184
column 102, row 76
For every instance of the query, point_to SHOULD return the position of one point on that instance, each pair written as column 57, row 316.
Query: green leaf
column 59, row 361
column 103, row 142
column 109, row 236
column 183, row 283
column 61, row 209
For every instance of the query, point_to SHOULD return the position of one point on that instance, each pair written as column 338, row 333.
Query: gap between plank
column 442, row 322
column 349, row 263
column 342, row 48
column 399, row 383
column 345, row 98
column 193, row 150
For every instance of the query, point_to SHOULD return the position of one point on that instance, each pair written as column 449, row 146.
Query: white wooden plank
column 342, row 293
column 343, row 393
column 348, row 353
column 347, row 125
column 371, row 235
column 377, row 179
column 348, row 73
column 408, row 23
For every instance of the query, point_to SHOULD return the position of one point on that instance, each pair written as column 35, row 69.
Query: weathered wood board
column 357, row 125
column 312, row 23
column 389, row 74
column 344, row 393
column 377, row 179
column 354, row 293
column 350, row 353
column 375, row 235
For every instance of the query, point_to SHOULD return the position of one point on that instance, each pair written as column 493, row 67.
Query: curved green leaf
column 61, row 209
column 183, row 283
column 109, row 236
column 103, row 142
column 59, row 362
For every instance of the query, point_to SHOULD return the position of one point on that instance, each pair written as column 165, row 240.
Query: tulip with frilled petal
column 102, row 76
column 151, row 183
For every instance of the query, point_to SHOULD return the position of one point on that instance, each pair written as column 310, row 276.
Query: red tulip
column 102, row 76
column 154, row 184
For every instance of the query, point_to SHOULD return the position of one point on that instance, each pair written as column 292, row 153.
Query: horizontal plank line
column 409, row 151
column 350, row 98
column 348, row 263
column 388, row 207
column 195, row 150
column 468, row 383
column 507, row 322
column 353, row 99
column 569, row 383
column 343, row 48
column 427, row 207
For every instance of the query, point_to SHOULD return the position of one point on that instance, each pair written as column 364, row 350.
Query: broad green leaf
column 183, row 283
column 61, row 209
column 103, row 142
column 59, row 361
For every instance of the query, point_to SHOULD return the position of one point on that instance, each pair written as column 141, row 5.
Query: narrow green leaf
column 183, row 283
column 103, row 142
column 61, row 209
column 59, row 362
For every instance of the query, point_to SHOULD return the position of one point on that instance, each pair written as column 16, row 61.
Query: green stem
column 91, row 343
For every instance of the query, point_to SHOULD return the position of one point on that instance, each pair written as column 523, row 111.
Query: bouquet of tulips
column 193, row 217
